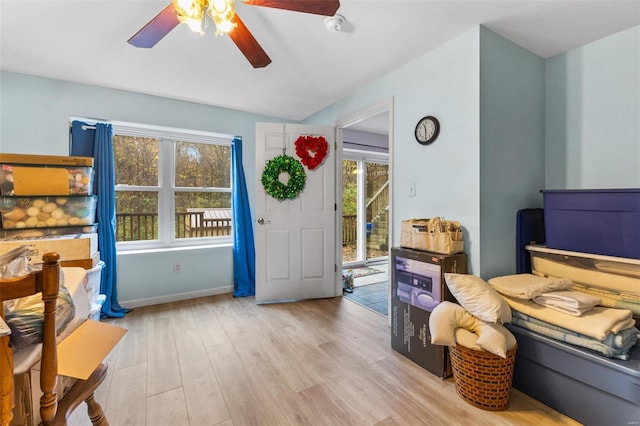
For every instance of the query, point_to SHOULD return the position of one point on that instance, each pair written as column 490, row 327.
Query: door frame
column 385, row 105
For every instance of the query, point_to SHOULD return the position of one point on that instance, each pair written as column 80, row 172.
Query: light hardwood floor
column 225, row 361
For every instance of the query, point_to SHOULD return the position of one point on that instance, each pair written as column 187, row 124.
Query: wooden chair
column 52, row 411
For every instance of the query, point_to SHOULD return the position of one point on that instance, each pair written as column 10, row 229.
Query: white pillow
column 491, row 343
column 468, row 339
column 478, row 297
column 443, row 321
column 528, row 286
column 447, row 319
column 494, row 338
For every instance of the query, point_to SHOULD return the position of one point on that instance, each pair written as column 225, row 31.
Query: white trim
column 134, row 251
column 177, row 244
column 170, row 132
column 338, row 217
column 385, row 105
column 166, row 196
column 359, row 155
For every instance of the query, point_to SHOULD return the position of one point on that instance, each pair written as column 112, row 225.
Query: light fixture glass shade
column 223, row 13
column 191, row 12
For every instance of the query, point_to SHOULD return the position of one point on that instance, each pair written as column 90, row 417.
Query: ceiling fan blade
column 318, row 7
column 155, row 29
column 248, row 45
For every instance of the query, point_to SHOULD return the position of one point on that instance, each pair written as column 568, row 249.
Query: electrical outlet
column 177, row 267
column 412, row 189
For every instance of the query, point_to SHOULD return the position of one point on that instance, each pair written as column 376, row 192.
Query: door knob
column 261, row 221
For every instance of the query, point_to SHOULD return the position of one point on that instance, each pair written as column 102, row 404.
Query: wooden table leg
column 6, row 381
column 96, row 415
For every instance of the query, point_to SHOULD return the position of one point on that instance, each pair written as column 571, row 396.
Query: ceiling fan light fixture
column 196, row 13
column 223, row 13
column 190, row 12
column 194, row 25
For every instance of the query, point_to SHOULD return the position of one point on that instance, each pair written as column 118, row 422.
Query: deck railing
column 195, row 224
column 349, row 229
column 136, row 226
column 144, row 226
column 378, row 203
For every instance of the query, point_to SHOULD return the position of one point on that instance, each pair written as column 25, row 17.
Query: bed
column 574, row 378
column 53, row 411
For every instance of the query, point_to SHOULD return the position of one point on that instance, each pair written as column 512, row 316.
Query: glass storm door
column 365, row 209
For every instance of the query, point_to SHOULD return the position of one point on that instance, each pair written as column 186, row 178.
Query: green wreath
column 271, row 177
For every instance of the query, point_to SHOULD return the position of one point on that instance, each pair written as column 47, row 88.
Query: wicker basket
column 482, row 378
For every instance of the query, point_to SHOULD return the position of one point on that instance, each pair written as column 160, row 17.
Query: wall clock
column 427, row 130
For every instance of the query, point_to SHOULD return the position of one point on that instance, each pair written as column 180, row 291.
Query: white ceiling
column 85, row 42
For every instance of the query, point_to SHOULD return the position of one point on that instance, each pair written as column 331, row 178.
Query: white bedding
column 596, row 323
column 567, row 301
column 527, row 286
column 614, row 346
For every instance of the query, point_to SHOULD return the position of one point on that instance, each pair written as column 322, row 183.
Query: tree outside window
column 171, row 189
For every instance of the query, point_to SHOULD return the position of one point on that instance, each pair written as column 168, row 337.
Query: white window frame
column 167, row 136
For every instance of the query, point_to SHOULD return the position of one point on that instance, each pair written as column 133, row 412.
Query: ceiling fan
column 223, row 14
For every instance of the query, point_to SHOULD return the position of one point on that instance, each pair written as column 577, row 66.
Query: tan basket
column 482, row 378
column 435, row 235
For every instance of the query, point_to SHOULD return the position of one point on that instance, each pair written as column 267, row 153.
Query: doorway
column 366, row 187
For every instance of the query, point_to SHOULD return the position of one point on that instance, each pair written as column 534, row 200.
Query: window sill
column 171, row 249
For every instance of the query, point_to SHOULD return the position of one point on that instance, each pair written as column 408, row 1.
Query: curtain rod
column 86, row 120
column 84, row 127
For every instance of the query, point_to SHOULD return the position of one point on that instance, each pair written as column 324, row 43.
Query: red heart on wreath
column 312, row 150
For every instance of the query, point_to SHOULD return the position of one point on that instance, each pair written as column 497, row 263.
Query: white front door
column 295, row 240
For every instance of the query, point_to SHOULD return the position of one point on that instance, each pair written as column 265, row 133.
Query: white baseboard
column 175, row 297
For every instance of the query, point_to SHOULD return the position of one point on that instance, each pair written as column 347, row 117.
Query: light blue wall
column 488, row 161
column 34, row 117
column 593, row 115
column 517, row 124
column 486, row 164
column 443, row 83
column 511, row 146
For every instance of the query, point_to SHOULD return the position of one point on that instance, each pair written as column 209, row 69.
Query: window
column 172, row 188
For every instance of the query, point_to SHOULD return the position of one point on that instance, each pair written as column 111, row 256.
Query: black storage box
column 418, row 285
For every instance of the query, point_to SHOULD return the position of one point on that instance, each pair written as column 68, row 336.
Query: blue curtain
column 244, row 256
column 85, row 141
